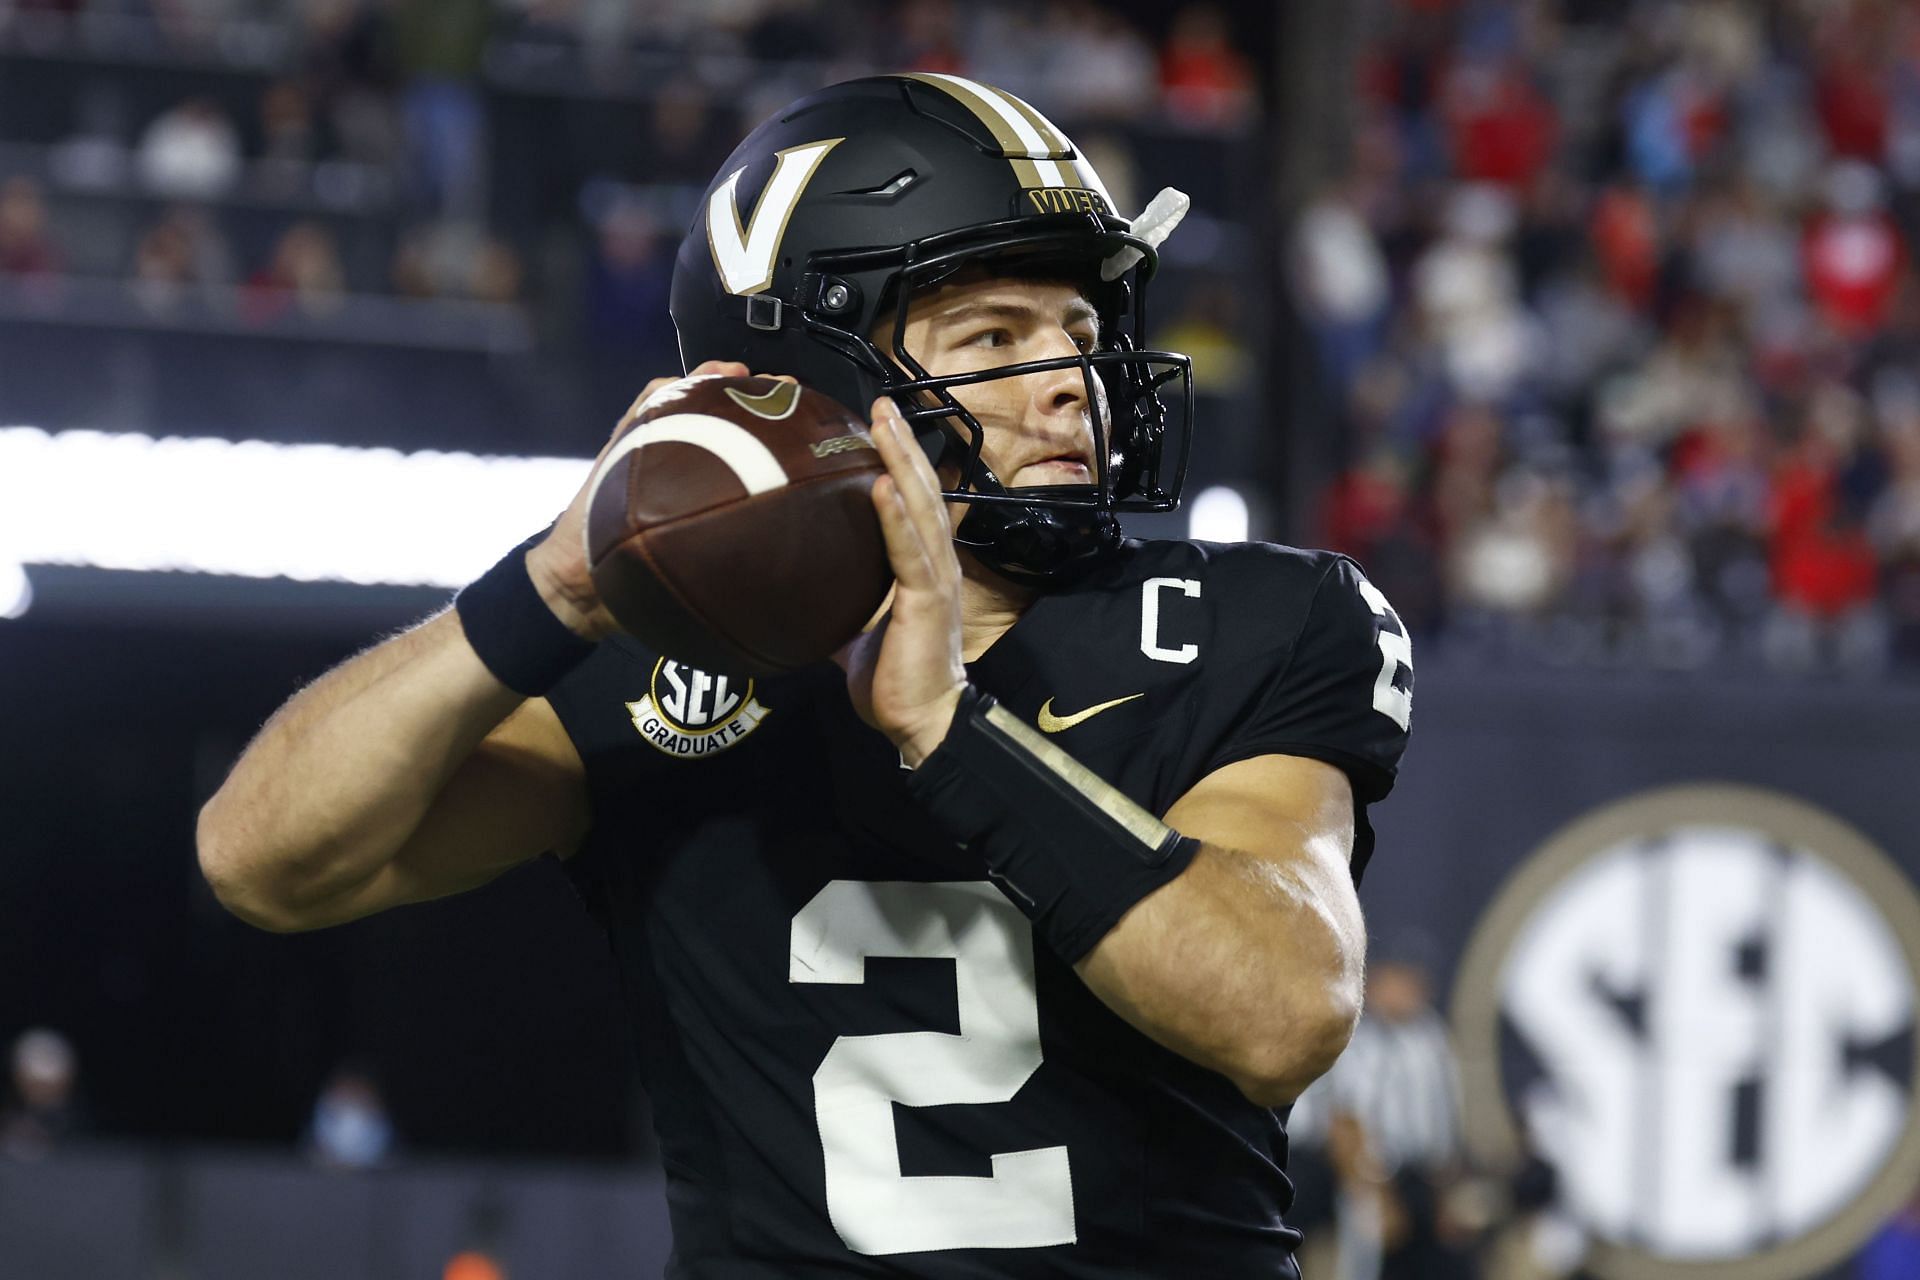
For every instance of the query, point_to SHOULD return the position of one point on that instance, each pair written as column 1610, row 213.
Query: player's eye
column 989, row 338
column 1085, row 342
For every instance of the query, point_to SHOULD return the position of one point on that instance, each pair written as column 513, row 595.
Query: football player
column 1002, row 951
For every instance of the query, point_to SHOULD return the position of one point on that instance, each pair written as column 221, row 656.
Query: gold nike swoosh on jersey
column 1051, row 723
column 775, row 404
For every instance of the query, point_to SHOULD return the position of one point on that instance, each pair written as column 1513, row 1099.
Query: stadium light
column 250, row 508
column 1218, row 514
column 16, row 591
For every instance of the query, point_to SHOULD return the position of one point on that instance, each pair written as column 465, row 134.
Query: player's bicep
column 1293, row 814
column 1268, row 805
column 521, row 793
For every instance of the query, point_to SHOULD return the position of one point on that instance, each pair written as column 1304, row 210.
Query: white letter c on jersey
column 1150, row 619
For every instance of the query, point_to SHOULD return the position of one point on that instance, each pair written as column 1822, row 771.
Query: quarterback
column 1001, row 947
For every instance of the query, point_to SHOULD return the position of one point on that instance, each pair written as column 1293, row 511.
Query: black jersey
column 861, row 1060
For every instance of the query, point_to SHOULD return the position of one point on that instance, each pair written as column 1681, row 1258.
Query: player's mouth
column 1065, row 468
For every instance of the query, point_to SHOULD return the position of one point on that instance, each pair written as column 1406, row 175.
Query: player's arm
column 407, row 773
column 1250, row 960
column 426, row 765
column 1237, row 943
column 1234, row 938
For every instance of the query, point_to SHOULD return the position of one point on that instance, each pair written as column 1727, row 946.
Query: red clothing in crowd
column 28, row 257
column 1361, row 510
column 1822, row 567
column 1627, row 240
column 1205, row 79
column 1853, row 267
column 1704, row 117
column 1853, row 111
column 1501, row 128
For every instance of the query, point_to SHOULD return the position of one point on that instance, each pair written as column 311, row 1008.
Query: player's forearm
column 1247, row 964
column 1241, row 965
column 343, row 773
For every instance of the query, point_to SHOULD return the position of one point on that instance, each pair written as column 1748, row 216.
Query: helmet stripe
column 1082, row 169
column 1027, row 149
column 1050, row 136
column 965, row 92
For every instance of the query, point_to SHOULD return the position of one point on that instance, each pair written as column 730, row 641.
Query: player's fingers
column 886, row 439
column 923, row 494
column 905, row 487
column 924, row 601
column 919, row 488
column 906, row 549
column 646, row 394
column 885, row 411
column 716, row 368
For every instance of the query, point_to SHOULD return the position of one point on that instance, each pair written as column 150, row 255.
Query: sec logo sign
column 688, row 712
column 1699, row 1003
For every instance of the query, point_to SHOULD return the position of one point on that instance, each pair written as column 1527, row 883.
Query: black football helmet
column 867, row 193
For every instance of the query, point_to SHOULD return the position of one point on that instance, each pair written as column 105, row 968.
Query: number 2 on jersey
column 1027, row 1202
column 1396, row 651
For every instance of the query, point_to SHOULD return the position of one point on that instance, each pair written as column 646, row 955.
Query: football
column 730, row 525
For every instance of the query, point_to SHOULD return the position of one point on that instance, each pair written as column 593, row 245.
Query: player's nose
column 1061, row 391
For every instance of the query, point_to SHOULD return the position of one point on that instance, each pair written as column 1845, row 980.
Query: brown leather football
column 730, row 525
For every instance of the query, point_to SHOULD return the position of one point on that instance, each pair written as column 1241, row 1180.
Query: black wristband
column 1071, row 850
column 516, row 634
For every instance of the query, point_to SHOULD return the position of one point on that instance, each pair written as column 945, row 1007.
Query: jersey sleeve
column 572, row 703
column 591, row 702
column 1342, row 692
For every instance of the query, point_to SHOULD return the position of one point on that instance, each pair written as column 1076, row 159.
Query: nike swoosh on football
column 1051, row 723
column 775, row 404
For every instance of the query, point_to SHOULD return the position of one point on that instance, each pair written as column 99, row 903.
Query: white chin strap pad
column 1155, row 223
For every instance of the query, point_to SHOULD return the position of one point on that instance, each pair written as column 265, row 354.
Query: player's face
column 1039, row 426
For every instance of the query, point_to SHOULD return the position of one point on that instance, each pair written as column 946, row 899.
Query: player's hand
column 905, row 676
column 558, row 563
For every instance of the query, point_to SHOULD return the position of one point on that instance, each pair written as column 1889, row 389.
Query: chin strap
column 1035, row 546
column 1038, row 546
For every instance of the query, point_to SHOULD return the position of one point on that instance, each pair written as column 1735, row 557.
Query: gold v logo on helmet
column 745, row 255
column 775, row 404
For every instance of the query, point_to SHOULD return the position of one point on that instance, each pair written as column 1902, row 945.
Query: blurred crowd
column 1085, row 58
column 43, row 1109
column 1617, row 305
column 356, row 156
